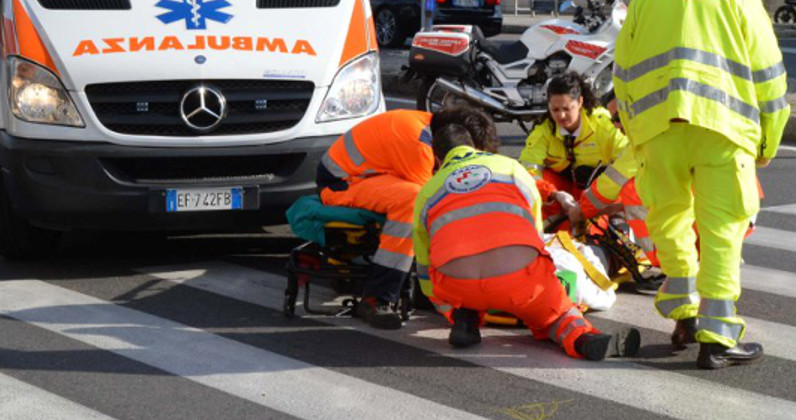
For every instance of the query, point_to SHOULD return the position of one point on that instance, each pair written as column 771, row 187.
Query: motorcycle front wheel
column 785, row 14
column 432, row 97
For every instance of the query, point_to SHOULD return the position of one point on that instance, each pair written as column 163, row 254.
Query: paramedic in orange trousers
column 476, row 237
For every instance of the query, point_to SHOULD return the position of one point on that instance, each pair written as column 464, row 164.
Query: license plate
column 466, row 3
column 204, row 199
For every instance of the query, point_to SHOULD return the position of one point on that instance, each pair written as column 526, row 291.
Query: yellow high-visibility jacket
column 599, row 143
column 715, row 64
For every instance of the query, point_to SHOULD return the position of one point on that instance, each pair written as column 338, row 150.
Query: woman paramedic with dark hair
column 576, row 154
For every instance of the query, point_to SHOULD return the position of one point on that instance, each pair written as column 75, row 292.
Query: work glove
column 566, row 200
column 762, row 162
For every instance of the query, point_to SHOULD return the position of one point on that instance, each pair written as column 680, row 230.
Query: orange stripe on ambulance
column 200, row 42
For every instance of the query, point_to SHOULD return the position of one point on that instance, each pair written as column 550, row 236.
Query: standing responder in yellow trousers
column 701, row 90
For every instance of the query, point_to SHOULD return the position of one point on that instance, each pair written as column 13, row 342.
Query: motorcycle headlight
column 355, row 91
column 36, row 95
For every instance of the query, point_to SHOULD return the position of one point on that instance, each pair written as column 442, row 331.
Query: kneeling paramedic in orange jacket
column 476, row 238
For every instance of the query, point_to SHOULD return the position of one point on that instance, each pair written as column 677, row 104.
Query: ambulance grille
column 295, row 4
column 153, row 108
column 85, row 4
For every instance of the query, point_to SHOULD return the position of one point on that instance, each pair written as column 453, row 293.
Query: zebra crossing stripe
column 785, row 209
column 281, row 383
column 768, row 280
column 21, row 401
column 515, row 353
column 773, row 238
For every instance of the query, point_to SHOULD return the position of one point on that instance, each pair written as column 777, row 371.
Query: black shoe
column 465, row 330
column 378, row 314
column 599, row 346
column 684, row 333
column 717, row 356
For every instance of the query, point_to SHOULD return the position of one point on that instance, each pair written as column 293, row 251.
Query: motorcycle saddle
column 502, row 52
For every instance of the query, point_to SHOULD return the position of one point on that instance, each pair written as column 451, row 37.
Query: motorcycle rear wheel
column 431, row 97
column 785, row 14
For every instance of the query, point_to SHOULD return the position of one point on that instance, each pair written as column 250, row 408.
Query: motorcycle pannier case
column 442, row 53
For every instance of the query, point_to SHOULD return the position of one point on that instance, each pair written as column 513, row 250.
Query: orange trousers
column 635, row 212
column 394, row 197
column 533, row 294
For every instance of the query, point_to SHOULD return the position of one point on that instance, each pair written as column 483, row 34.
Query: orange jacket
column 396, row 143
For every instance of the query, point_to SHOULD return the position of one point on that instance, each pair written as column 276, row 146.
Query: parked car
column 398, row 19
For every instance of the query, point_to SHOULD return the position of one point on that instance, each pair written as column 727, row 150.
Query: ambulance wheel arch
column 19, row 239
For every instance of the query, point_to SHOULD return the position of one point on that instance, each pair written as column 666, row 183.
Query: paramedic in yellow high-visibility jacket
column 700, row 87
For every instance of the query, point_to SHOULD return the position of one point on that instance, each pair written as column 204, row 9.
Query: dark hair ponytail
column 571, row 83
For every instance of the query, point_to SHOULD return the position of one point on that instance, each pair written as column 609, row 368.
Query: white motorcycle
column 510, row 80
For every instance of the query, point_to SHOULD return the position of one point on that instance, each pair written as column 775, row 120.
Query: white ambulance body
column 172, row 114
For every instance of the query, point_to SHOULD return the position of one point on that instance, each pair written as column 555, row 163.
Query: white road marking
column 22, row 401
column 266, row 378
column 785, row 208
column 773, row 238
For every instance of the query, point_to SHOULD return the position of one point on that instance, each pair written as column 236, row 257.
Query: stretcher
column 338, row 253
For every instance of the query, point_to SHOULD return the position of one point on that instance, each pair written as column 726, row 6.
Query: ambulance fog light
column 37, row 96
column 355, row 91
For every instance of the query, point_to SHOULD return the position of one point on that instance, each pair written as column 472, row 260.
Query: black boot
column 717, row 356
column 378, row 314
column 684, row 333
column 465, row 330
column 599, row 346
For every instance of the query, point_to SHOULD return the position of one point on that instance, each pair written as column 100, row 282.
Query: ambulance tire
column 19, row 240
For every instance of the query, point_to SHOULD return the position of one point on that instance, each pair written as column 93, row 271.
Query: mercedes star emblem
column 203, row 108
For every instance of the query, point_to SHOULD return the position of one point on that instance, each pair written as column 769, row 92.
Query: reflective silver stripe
column 573, row 311
column 773, row 105
column 724, row 329
column 533, row 166
column 397, row 229
column 332, row 166
column 578, row 322
column 598, row 204
column 477, row 210
column 646, row 244
column 700, row 89
column 717, row 308
column 666, row 307
column 443, row 309
column 772, row 72
column 615, row 176
column 524, row 189
column 679, row 286
column 636, row 212
column 351, row 149
column 394, row 260
column 434, row 199
column 682, row 53
column 422, row 271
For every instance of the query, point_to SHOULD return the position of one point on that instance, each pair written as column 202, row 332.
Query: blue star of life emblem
column 195, row 13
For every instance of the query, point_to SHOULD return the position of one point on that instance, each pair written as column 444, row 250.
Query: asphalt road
column 128, row 326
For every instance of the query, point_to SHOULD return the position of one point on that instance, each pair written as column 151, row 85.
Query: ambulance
column 172, row 115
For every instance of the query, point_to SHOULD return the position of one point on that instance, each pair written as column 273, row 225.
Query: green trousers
column 690, row 174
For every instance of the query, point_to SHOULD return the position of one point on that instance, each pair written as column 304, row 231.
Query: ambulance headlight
column 36, row 95
column 355, row 91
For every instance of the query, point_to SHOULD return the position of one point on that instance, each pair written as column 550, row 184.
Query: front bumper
column 74, row 185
